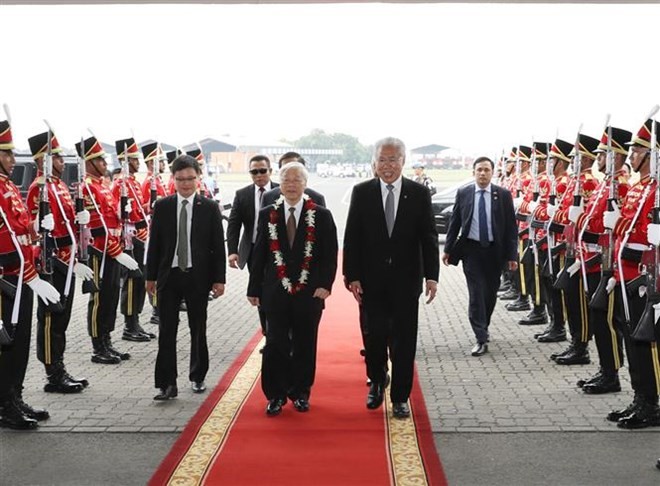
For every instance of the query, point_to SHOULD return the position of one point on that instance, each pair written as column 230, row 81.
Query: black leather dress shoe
column 479, row 349
column 578, row 356
column 274, row 406
column 198, row 386
column 301, row 405
column 616, row 415
column 657, row 464
column 155, row 319
column 135, row 336
column 510, row 294
column 375, row 396
column 166, row 393
column 605, row 384
column 13, row 418
column 400, row 410
column 596, row 377
column 38, row 414
column 556, row 335
column 518, row 305
column 642, row 418
column 534, row 318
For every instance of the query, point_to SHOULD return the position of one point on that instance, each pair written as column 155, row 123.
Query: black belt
column 63, row 242
column 556, row 227
column 187, row 270
column 536, row 224
column 631, row 255
column 141, row 224
column 521, row 217
column 478, row 243
column 589, row 237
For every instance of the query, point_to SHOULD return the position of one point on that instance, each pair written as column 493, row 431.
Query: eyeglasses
column 389, row 160
column 185, row 179
column 259, row 171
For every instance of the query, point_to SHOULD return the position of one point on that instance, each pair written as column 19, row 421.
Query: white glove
column 656, row 312
column 517, row 202
column 654, row 234
column 82, row 217
column 44, row 290
column 48, row 223
column 551, row 210
column 611, row 283
column 128, row 208
column 83, row 271
column 573, row 269
column 574, row 213
column 532, row 205
column 610, row 217
column 127, row 261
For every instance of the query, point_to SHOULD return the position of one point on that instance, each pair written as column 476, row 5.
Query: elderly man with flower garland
column 294, row 262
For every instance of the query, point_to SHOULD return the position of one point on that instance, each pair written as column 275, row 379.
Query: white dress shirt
column 189, row 209
column 474, row 225
column 297, row 212
column 396, row 191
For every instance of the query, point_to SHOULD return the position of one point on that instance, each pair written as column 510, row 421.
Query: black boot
column 646, row 415
column 141, row 330
column 131, row 332
column 58, row 382
column 578, row 356
column 537, row 316
column 521, row 304
column 82, row 381
column 107, row 342
column 511, row 294
column 593, row 379
column 102, row 354
column 155, row 317
column 569, row 349
column 616, row 415
column 555, row 334
column 37, row 414
column 607, row 383
column 12, row 417
column 546, row 330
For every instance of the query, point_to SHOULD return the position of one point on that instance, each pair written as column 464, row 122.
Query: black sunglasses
column 258, row 171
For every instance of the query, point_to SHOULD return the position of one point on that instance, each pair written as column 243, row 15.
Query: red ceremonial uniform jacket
column 137, row 214
column 642, row 194
column 170, row 186
column 97, row 195
column 591, row 219
column 541, row 212
column 146, row 191
column 56, row 189
column 19, row 222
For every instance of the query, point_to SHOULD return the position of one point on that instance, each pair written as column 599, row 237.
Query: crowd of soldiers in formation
column 96, row 232
column 588, row 257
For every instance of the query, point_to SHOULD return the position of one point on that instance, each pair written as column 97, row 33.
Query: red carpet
column 231, row 441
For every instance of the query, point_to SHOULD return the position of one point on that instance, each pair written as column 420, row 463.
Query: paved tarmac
column 511, row 417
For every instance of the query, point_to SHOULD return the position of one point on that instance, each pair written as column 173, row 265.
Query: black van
column 25, row 172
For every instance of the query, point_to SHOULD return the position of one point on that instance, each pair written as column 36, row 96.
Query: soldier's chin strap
column 98, row 172
column 2, row 168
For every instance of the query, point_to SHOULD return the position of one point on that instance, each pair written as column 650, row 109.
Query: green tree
column 353, row 152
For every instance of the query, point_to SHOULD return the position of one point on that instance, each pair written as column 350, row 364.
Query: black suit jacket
column 264, row 281
column 397, row 263
column 242, row 214
column 271, row 196
column 206, row 242
column 502, row 217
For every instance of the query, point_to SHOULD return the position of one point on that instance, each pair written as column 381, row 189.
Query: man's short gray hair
column 298, row 167
column 389, row 142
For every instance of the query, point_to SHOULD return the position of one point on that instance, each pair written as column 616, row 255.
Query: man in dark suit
column 185, row 261
column 271, row 196
column 293, row 268
column 482, row 232
column 244, row 210
column 390, row 246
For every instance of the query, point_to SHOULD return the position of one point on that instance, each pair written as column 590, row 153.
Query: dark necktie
column 483, row 220
column 389, row 210
column 291, row 227
column 182, row 247
column 261, row 195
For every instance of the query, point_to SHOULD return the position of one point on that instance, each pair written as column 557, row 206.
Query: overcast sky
column 474, row 77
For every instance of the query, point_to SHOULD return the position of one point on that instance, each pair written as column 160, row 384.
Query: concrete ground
column 511, row 417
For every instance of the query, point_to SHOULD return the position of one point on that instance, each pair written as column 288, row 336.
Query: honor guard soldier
column 19, row 281
column 202, row 187
column 557, row 164
column 572, row 276
column 532, row 258
column 523, row 180
column 152, row 190
column 171, row 155
column 60, row 241
column 106, row 253
column 630, row 229
column 508, row 290
column 128, row 192
column 596, row 240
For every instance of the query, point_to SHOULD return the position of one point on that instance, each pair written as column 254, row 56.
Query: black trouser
column 262, row 315
column 609, row 339
column 288, row 365
column 578, row 310
column 520, row 279
column 52, row 326
column 102, row 307
column 482, row 269
column 181, row 286
column 392, row 322
column 133, row 292
column 14, row 357
column 642, row 356
column 557, row 299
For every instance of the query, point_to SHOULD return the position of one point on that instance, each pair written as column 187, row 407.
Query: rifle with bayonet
column 127, row 228
column 547, row 270
column 531, row 255
column 84, row 233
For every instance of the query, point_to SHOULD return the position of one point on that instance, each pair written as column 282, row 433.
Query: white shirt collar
column 298, row 206
column 397, row 185
column 477, row 188
column 267, row 188
column 180, row 198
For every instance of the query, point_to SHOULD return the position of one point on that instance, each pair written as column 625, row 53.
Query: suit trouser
column 181, row 286
column 52, row 326
column 392, row 322
column 262, row 315
column 102, row 306
column 482, row 272
column 14, row 357
column 609, row 339
column 133, row 292
column 578, row 310
column 643, row 364
column 288, row 365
